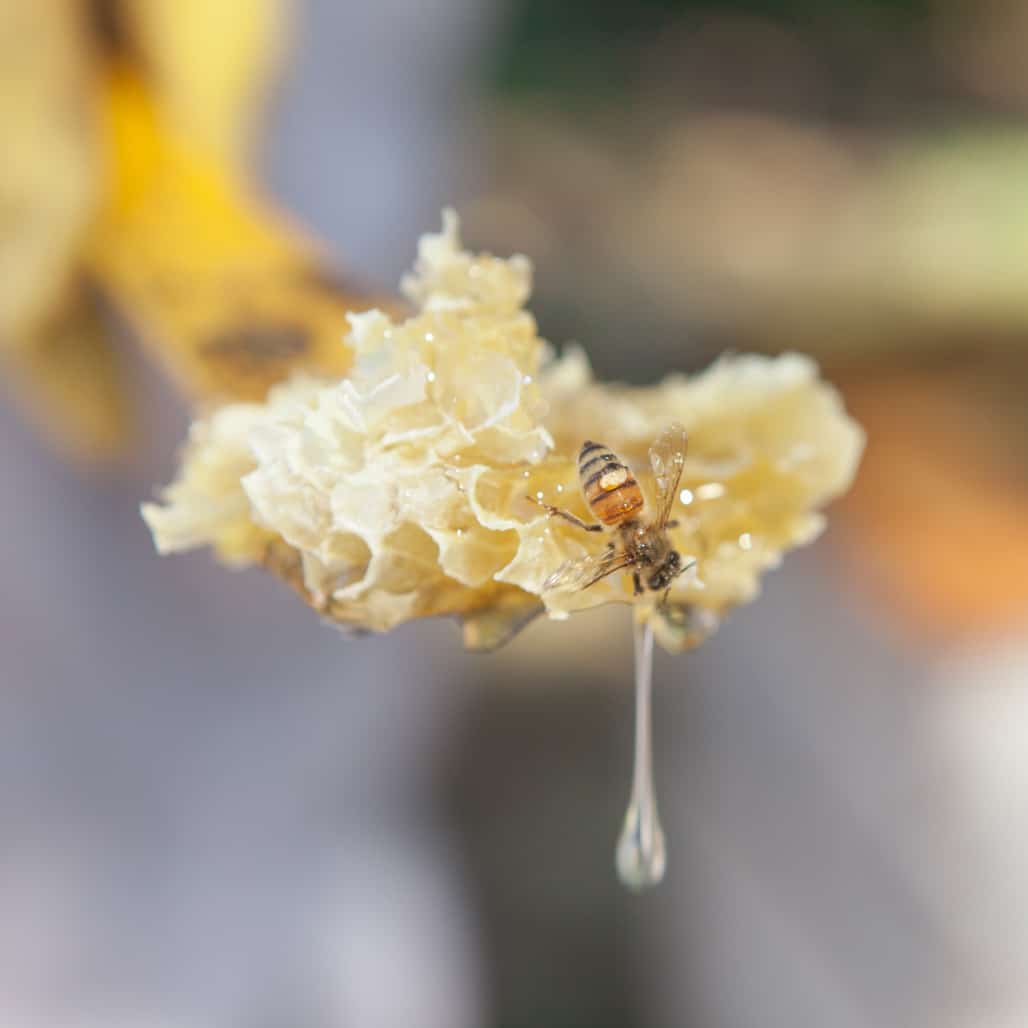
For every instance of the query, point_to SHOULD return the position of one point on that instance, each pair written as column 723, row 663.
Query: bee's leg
column 557, row 512
column 663, row 605
column 637, row 583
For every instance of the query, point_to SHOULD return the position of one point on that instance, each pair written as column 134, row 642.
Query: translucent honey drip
column 641, row 856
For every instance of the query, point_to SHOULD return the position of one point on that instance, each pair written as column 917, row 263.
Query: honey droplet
column 641, row 855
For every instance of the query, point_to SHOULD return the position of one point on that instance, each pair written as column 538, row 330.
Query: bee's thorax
column 647, row 544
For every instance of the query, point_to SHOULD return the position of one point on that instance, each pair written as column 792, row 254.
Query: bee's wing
column 667, row 458
column 582, row 572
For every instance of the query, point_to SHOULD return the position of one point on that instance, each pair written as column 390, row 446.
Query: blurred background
column 217, row 813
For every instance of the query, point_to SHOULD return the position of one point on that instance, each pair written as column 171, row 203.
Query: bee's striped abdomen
column 608, row 485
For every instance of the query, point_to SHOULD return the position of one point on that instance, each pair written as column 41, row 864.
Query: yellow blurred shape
column 70, row 383
column 51, row 160
column 124, row 182
column 210, row 64
column 229, row 295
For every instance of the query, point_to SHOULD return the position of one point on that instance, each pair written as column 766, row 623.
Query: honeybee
column 616, row 500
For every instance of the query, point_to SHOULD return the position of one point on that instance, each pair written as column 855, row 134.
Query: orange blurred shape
column 936, row 521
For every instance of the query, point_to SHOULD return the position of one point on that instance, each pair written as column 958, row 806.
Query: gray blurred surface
column 214, row 808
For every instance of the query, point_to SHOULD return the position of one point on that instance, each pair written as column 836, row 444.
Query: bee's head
column 666, row 572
